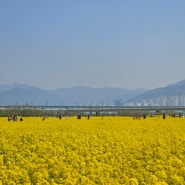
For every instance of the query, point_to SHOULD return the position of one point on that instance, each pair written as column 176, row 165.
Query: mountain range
column 171, row 95
column 21, row 94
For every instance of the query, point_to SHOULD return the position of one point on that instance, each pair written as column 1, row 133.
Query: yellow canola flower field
column 115, row 150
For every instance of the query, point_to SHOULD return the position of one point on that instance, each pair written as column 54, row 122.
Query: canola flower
column 115, row 150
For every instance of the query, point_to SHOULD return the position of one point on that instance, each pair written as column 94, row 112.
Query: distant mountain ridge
column 21, row 94
column 171, row 95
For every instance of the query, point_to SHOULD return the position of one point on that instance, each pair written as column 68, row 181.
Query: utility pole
column 102, row 109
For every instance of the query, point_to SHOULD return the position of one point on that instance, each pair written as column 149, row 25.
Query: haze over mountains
column 171, row 95
column 22, row 94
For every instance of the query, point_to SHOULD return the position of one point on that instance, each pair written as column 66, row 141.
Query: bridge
column 117, row 110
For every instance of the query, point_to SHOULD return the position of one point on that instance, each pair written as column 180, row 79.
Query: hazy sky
column 96, row 43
